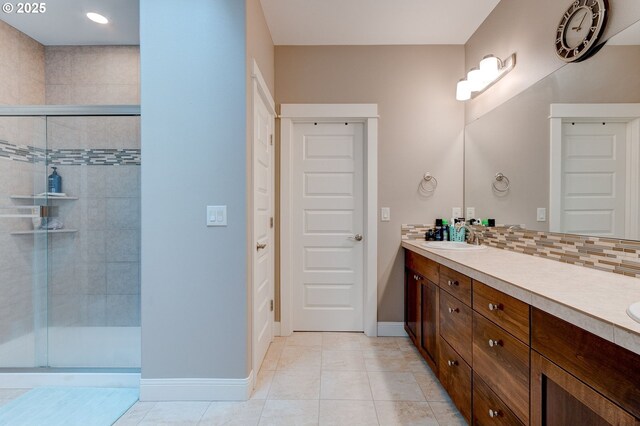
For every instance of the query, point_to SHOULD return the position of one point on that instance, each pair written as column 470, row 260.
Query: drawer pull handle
column 453, row 310
column 452, row 283
column 452, row 363
column 495, row 343
column 494, row 413
column 495, row 306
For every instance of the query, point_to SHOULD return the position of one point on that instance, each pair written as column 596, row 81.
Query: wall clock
column 580, row 29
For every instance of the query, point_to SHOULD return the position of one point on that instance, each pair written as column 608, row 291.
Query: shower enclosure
column 70, row 262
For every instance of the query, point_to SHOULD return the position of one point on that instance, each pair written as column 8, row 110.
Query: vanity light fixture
column 96, row 17
column 479, row 79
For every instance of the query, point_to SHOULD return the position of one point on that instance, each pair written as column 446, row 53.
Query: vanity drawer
column 420, row 264
column 504, row 310
column 488, row 409
column 456, row 322
column 502, row 361
column 455, row 376
column 456, row 284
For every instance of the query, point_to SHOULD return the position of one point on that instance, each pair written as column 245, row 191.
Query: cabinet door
column 429, row 314
column 559, row 399
column 412, row 305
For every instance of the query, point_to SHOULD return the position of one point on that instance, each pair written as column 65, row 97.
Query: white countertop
column 596, row 301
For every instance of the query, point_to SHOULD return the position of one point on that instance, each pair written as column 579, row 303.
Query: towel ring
column 500, row 177
column 428, row 177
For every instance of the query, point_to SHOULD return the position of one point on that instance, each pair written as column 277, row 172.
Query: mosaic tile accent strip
column 25, row 154
column 414, row 232
column 71, row 157
column 94, row 157
column 604, row 254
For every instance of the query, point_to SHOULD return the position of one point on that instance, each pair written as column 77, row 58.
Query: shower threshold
column 22, row 378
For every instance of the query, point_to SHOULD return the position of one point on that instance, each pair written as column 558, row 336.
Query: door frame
column 260, row 90
column 290, row 114
column 628, row 113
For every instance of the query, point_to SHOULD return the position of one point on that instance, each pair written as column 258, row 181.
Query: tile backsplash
column 605, row 254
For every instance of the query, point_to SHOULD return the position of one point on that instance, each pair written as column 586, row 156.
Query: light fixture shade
column 490, row 68
column 475, row 79
column 463, row 91
column 96, row 17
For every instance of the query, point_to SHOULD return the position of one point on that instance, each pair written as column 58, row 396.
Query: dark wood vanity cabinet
column 421, row 306
column 430, row 331
column 506, row 363
column 580, row 378
column 412, row 304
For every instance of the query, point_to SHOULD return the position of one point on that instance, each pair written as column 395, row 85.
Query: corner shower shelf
column 54, row 231
column 40, row 197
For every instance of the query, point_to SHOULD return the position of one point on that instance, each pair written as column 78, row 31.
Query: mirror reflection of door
column 594, row 178
column 595, row 163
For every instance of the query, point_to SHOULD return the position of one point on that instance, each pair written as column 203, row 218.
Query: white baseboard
column 391, row 329
column 98, row 380
column 196, row 389
column 276, row 329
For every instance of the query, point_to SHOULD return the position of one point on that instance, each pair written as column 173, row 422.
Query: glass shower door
column 23, row 245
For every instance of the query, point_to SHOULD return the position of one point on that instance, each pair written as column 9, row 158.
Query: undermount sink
column 452, row 245
column 634, row 311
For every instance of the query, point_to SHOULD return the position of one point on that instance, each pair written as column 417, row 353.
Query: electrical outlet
column 385, row 214
column 456, row 212
column 541, row 214
column 471, row 213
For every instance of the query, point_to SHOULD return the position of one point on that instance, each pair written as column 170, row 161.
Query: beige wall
column 92, row 75
column 420, row 130
column 528, row 29
column 21, row 68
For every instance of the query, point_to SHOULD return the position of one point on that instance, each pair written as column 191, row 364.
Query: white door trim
column 260, row 90
column 363, row 113
column 623, row 113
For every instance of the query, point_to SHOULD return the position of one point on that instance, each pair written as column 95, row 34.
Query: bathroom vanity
column 518, row 340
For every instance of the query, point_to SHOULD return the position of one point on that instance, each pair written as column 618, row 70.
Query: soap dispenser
column 55, row 182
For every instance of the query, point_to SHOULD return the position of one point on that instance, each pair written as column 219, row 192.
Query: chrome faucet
column 472, row 236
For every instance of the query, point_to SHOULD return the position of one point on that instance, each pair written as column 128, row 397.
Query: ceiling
column 353, row 22
column 65, row 23
column 291, row 22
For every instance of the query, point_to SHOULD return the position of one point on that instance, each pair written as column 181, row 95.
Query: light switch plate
column 471, row 213
column 216, row 215
column 385, row 214
column 456, row 212
column 541, row 214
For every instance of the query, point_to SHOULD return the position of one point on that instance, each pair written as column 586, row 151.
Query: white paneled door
column 263, row 213
column 327, row 226
column 594, row 178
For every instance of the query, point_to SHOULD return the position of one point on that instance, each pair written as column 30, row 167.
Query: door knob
column 261, row 246
column 358, row 237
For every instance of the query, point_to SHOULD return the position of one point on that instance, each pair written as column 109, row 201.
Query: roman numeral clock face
column 580, row 28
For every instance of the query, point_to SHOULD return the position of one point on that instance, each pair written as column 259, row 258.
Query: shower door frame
column 48, row 376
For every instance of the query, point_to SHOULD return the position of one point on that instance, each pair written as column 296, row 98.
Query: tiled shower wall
column 95, row 276
column 92, row 275
column 605, row 254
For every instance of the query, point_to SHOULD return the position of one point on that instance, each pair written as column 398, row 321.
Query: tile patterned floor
column 320, row 379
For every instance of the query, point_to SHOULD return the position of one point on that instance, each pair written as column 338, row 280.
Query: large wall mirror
column 568, row 148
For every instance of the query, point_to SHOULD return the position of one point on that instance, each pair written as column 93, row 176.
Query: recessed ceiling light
column 96, row 17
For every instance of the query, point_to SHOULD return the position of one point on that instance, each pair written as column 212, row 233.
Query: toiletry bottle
column 445, row 230
column 429, row 236
column 438, row 230
column 55, row 182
